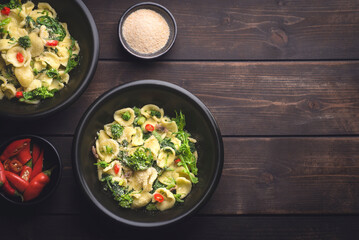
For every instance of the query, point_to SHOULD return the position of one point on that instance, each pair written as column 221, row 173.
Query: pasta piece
column 137, row 139
column 5, row 44
column 50, row 58
column 45, row 80
column 124, row 116
column 169, row 199
column 33, row 85
column 37, row 45
column 9, row 90
column 102, row 136
column 180, row 172
column 107, row 149
column 166, row 157
column 45, row 6
column 11, row 56
column 176, row 142
column 184, row 186
column 24, row 75
column 153, row 144
column 110, row 169
column 127, row 134
column 171, row 127
column 56, row 85
column 143, row 180
column 148, row 109
column 140, row 199
column 148, row 121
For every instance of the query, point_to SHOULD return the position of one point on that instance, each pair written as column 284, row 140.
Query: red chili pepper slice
column 36, row 185
column 16, row 181
column 38, row 166
column 24, row 155
column 5, row 11
column 35, row 153
column 116, row 168
column 52, row 43
column 14, row 148
column 7, row 164
column 177, row 160
column 26, row 173
column 20, row 57
column 19, row 94
column 2, row 175
column 149, row 127
column 15, row 166
column 158, row 197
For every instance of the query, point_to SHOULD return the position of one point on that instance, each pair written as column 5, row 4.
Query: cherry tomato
column 15, row 166
column 20, row 57
column 158, row 197
column 150, row 127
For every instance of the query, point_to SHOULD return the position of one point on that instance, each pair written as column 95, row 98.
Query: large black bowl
column 200, row 123
column 83, row 28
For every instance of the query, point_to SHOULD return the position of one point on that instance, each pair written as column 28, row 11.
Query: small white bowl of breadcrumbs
column 147, row 30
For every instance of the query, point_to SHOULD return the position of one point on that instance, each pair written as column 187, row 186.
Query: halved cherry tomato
column 20, row 57
column 52, row 43
column 15, row 166
column 116, row 168
column 5, row 11
column 150, row 127
column 158, row 197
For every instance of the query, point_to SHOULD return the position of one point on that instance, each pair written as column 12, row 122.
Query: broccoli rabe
column 39, row 93
column 24, row 42
column 116, row 130
column 126, row 116
column 141, row 159
column 119, row 193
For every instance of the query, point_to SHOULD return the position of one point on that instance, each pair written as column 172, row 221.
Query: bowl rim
column 80, row 90
column 122, row 40
column 158, row 83
column 56, row 184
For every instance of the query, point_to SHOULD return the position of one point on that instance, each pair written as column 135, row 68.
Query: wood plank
column 249, row 29
column 246, row 98
column 95, row 227
column 260, row 176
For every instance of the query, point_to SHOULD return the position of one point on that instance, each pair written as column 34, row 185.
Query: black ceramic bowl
column 200, row 123
column 51, row 160
column 83, row 28
column 165, row 13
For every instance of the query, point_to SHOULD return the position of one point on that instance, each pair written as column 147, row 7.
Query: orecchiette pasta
column 144, row 155
column 37, row 52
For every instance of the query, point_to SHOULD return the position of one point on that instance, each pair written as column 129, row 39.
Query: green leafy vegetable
column 167, row 143
column 119, row 193
column 116, row 130
column 178, row 197
column 39, row 93
column 170, row 182
column 126, row 116
column 124, row 143
column 137, row 111
column 139, row 121
column 146, row 135
column 24, row 42
column 141, row 159
column 151, row 207
column 53, row 73
column 74, row 59
column 56, row 30
column 180, row 121
column 108, row 149
column 102, row 164
column 5, row 22
column 156, row 185
column 155, row 113
column 30, row 23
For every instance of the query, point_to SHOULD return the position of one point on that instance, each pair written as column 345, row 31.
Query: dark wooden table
column 281, row 78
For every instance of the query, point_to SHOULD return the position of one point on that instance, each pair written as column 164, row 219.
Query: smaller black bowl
column 165, row 13
column 51, row 160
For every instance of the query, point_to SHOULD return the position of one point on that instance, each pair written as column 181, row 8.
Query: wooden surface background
column 281, row 78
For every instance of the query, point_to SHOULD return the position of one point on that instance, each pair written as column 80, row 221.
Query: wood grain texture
column 246, row 98
column 249, row 29
column 260, row 176
column 230, row 228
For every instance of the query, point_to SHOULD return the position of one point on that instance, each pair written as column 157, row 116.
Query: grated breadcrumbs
column 145, row 31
